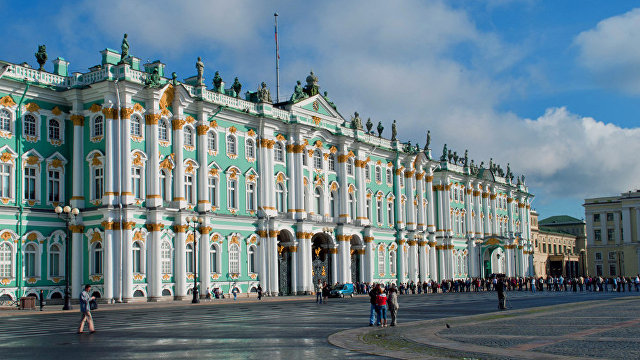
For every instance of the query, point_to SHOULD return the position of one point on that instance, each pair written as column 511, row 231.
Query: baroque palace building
column 289, row 193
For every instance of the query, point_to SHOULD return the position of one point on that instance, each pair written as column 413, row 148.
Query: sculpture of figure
column 124, row 49
column 450, row 156
column 356, row 123
column 153, row 81
column 369, row 124
column 455, row 157
column 426, row 146
column 482, row 165
column 217, row 82
column 522, row 179
column 41, row 56
column 444, row 153
column 380, row 128
column 237, row 87
column 312, row 85
column 508, row 170
column 298, row 94
column 174, row 79
column 408, row 147
column 394, row 131
column 264, row 95
column 417, row 147
column 466, row 158
column 200, row 68
column 326, row 97
column 491, row 164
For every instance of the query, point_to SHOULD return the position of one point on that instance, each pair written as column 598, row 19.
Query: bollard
column 41, row 300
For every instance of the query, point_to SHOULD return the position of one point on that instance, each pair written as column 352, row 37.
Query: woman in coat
column 392, row 302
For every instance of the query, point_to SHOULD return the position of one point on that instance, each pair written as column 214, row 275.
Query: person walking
column 259, row 292
column 326, row 290
column 373, row 293
column 319, row 292
column 235, row 292
column 392, row 302
column 85, row 310
column 501, row 295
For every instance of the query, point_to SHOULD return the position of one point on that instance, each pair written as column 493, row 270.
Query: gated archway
column 285, row 240
column 321, row 258
column 357, row 251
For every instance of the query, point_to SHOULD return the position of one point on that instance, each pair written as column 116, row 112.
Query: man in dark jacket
column 502, row 298
column 372, row 299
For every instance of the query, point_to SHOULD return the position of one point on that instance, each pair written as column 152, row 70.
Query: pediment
column 316, row 105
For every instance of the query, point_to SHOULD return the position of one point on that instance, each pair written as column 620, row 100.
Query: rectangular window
column 612, row 255
column 596, row 235
column 390, row 212
column 380, row 212
column 389, row 176
column 231, row 195
column 611, row 235
column 213, row 191
column 54, row 264
column 30, row 183
column 251, row 191
column 599, row 256
column 367, row 172
column 612, row 270
column 596, row 217
column 188, row 188
column 609, row 216
column 54, row 186
column 98, row 182
column 5, row 181
column 136, row 178
column 599, row 270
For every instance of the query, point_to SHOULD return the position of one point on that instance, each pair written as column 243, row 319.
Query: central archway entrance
column 285, row 239
column 321, row 258
column 357, row 250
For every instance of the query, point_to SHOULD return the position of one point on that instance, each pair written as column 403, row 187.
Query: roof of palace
column 560, row 220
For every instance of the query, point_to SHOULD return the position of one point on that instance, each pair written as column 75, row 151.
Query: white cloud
column 608, row 51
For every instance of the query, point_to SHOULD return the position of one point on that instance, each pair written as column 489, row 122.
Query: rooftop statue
column 522, row 179
column 466, row 158
column 450, row 156
column 369, row 124
column 394, row 131
column 455, row 157
column 174, row 79
column 237, row 87
column 200, row 68
column 408, row 147
column 491, row 164
column 417, row 148
column 312, row 87
column 264, row 95
column 426, row 146
column 217, row 82
column 482, row 165
column 326, row 97
column 380, row 128
column 153, row 81
column 444, row 153
column 124, row 49
column 356, row 123
column 41, row 56
column 298, row 93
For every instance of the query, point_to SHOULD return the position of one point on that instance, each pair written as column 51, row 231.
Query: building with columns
column 559, row 246
column 289, row 193
column 613, row 234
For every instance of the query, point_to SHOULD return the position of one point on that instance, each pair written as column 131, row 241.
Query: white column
column 117, row 264
column 485, row 209
column 433, row 270
column 107, row 264
column 127, row 261
column 178, row 144
column 154, row 277
column 361, row 208
column 272, row 256
column 344, row 258
column 111, row 176
column 472, row 258
column 204, row 203
column 413, row 257
column 263, row 245
column 180, row 270
column 369, row 251
column 153, row 197
column 293, row 175
column 421, row 207
column 77, row 259
column 308, row 283
column 294, row 269
column 430, row 221
column 422, row 259
column 334, row 266
column 410, row 207
column 125, row 135
column 344, row 186
column 77, row 198
column 402, row 267
column 441, row 263
column 204, row 272
column 494, row 215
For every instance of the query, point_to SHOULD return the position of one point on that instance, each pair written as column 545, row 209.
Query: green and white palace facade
column 289, row 193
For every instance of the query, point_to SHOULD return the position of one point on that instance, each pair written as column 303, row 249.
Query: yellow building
column 613, row 234
column 558, row 246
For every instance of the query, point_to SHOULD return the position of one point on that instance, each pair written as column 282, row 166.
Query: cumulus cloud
column 608, row 51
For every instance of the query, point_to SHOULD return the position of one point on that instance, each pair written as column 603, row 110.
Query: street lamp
column 195, row 222
column 69, row 216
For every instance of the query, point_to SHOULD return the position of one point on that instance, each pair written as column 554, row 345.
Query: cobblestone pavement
column 276, row 328
column 604, row 328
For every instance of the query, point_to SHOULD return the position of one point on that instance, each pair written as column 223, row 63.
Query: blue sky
column 550, row 87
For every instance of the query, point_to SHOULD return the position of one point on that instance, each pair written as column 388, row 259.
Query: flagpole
column 275, row 15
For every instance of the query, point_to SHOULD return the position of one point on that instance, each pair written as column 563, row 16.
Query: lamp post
column 195, row 222
column 69, row 216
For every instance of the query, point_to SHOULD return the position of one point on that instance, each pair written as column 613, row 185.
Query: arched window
column 54, row 260
column 367, row 172
column 333, row 211
column 30, row 125
column 390, row 212
column 163, row 186
column 380, row 211
column 98, row 182
column 317, row 159
column 250, row 149
column 54, row 183
column 251, row 196
column 165, row 257
column 30, row 260
column 136, row 182
column 137, row 257
column 350, row 167
column 389, row 176
column 317, row 194
column 98, row 126
column 252, row 259
column 6, row 260
column 378, row 174
column 332, row 162
column 5, row 120
column 231, row 145
column 96, row 259
column 213, row 191
column 368, row 206
column 351, row 206
column 381, row 262
column 163, row 131
column 280, row 198
column 278, row 152
column 392, row 262
column 188, row 189
column 212, row 141
column 54, row 129
column 234, row 259
column 189, row 257
column 136, row 125
column 188, row 136
column 213, row 259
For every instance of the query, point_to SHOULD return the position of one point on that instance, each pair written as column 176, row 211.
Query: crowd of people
column 549, row 283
